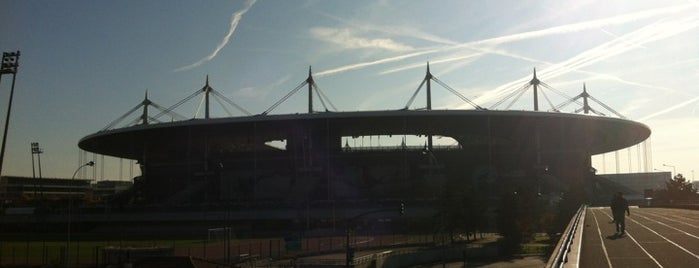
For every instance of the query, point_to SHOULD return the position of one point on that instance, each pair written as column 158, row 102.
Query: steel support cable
column 566, row 103
column 223, row 106
column 317, row 88
column 172, row 114
column 560, row 93
column 134, row 122
column 149, row 119
column 521, row 92
column 292, row 92
column 154, row 119
column 229, row 101
column 510, row 95
column 410, row 102
column 597, row 112
column 171, row 108
column 322, row 102
column 201, row 102
column 462, row 97
column 591, row 109
column 196, row 93
column 118, row 120
column 573, row 100
column 607, row 107
column 547, row 99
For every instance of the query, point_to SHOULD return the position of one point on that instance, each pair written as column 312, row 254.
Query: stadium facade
column 235, row 160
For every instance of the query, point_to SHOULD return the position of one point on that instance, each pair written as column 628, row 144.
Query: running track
column 655, row 237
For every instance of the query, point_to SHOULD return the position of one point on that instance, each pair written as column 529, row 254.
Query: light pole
column 10, row 63
column 36, row 150
column 70, row 205
column 674, row 171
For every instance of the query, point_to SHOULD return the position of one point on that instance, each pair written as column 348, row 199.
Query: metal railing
column 560, row 253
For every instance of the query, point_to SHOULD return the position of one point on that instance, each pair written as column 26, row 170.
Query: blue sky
column 85, row 63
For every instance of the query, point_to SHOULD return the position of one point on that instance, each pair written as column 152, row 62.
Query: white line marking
column 638, row 244
column 667, row 218
column 668, row 240
column 697, row 237
column 604, row 248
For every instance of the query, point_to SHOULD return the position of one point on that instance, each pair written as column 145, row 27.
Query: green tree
column 520, row 215
column 678, row 189
column 461, row 208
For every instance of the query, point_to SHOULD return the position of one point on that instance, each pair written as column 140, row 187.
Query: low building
column 109, row 188
column 639, row 184
column 15, row 190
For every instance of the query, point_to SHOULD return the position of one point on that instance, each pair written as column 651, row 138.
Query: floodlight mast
column 10, row 62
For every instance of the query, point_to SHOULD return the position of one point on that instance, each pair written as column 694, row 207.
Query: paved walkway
column 525, row 262
column 655, row 237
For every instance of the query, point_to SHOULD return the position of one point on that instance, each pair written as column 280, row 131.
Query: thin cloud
column 404, row 31
column 563, row 29
column 370, row 63
column 235, row 19
column 650, row 33
column 260, row 92
column 471, row 56
column 587, row 25
column 345, row 38
column 627, row 43
column 670, row 109
column 636, row 39
column 481, row 51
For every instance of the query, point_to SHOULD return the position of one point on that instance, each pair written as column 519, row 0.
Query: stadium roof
column 557, row 132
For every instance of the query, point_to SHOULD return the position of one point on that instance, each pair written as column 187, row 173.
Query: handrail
column 560, row 256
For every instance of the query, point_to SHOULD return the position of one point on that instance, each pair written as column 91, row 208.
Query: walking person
column 619, row 206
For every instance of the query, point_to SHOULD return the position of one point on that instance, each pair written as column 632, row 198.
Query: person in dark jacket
column 619, row 206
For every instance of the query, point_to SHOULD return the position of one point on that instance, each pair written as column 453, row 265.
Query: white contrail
column 471, row 56
column 650, row 33
column 235, row 19
column 345, row 38
column 370, row 63
column 480, row 51
column 657, row 31
column 672, row 108
column 568, row 28
column 392, row 30
column 587, row 25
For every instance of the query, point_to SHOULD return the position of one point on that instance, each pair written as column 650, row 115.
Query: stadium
column 337, row 164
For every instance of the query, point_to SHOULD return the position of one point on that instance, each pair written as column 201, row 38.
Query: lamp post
column 36, row 150
column 674, row 171
column 10, row 63
column 70, row 205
